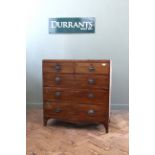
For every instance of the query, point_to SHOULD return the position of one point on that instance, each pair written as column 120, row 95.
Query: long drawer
column 76, row 111
column 81, row 96
column 76, row 81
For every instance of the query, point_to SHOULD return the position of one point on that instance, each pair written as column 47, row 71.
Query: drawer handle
column 57, row 67
column 91, row 95
column 91, row 81
column 91, row 112
column 57, row 110
column 91, row 69
column 58, row 79
column 57, row 94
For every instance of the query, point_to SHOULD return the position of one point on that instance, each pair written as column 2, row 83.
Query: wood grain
column 59, row 80
column 92, row 81
column 76, row 80
column 73, row 89
column 65, row 67
column 92, row 68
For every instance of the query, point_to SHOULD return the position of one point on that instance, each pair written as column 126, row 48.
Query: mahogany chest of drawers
column 76, row 91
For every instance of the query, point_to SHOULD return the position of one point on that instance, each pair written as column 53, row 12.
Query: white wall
column 110, row 41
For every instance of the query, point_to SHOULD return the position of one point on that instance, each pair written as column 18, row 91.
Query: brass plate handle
column 57, row 79
column 57, row 110
column 91, row 68
column 91, row 112
column 57, row 67
column 91, row 95
column 57, row 94
column 91, row 81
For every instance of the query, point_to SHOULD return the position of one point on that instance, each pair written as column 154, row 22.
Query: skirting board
column 120, row 107
column 113, row 106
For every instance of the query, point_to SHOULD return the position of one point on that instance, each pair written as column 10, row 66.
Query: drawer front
column 90, row 113
column 80, row 96
column 58, row 80
column 58, row 94
column 75, row 112
column 96, row 68
column 58, row 67
column 93, row 97
column 92, row 81
column 56, row 110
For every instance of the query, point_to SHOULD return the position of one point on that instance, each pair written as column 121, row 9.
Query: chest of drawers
column 76, row 91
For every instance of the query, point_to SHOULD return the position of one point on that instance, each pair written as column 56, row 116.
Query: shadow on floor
column 59, row 123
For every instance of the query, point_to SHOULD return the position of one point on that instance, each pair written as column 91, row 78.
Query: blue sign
column 72, row 25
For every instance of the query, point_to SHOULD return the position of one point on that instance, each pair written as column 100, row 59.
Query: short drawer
column 93, row 97
column 97, row 68
column 92, row 81
column 58, row 80
column 58, row 67
column 56, row 94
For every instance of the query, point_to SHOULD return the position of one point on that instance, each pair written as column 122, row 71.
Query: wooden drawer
column 90, row 113
column 56, row 110
column 90, row 68
column 92, row 81
column 92, row 97
column 58, row 94
column 58, row 67
column 75, row 112
column 80, row 96
column 58, row 80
